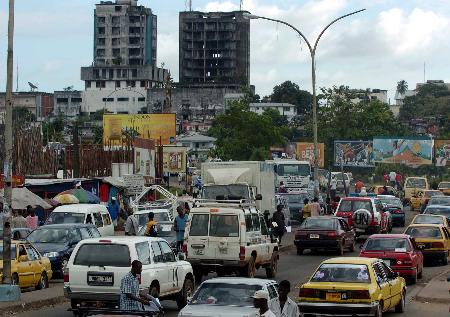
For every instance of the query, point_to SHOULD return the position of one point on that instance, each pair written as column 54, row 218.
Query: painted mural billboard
column 410, row 151
column 353, row 153
column 442, row 152
column 305, row 152
column 174, row 159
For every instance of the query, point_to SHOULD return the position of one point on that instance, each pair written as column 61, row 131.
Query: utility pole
column 7, row 169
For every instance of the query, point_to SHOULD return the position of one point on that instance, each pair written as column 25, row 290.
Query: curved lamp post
column 312, row 51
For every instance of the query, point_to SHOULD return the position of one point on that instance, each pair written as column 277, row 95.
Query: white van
column 81, row 213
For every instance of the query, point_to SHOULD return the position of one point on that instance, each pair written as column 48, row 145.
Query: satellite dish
column 32, row 86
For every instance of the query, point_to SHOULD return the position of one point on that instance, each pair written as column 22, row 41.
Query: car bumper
column 405, row 271
column 90, row 297
column 433, row 254
column 398, row 219
column 336, row 309
column 316, row 244
column 216, row 263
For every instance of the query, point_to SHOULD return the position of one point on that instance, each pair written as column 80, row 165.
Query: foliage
column 290, row 92
column 402, row 87
column 243, row 135
column 98, row 115
column 52, row 130
column 22, row 117
column 277, row 119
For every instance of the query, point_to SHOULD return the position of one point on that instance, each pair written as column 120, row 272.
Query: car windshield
column 440, row 200
column 428, row 219
column 293, row 170
column 416, row 182
column 390, row 201
column 13, row 251
column 223, row 294
column 344, row 273
column 164, row 230
column 225, row 192
column 387, row 244
column 354, row 205
column 224, row 226
column 424, row 232
column 53, row 235
column 321, row 223
column 434, row 210
column 444, row 185
column 111, row 255
column 433, row 193
column 58, row 218
column 159, row 217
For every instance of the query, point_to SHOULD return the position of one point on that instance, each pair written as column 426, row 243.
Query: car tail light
column 332, row 234
column 361, row 294
column 242, row 253
column 307, row 292
column 437, row 245
column 397, row 211
column 66, row 275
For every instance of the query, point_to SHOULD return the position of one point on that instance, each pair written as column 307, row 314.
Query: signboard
column 174, row 159
column 442, row 152
column 411, row 151
column 134, row 184
column 305, row 152
column 144, row 159
column 146, row 126
column 353, row 153
column 17, row 181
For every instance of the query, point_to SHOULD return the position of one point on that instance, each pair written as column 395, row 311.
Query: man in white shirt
column 392, row 178
column 260, row 299
column 283, row 306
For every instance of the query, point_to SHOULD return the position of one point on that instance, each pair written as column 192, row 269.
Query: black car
column 166, row 231
column 58, row 241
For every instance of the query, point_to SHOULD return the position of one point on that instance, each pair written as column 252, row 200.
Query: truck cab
column 294, row 174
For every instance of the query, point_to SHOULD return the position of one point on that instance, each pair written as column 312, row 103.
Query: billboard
column 353, row 153
column 442, row 152
column 411, row 151
column 146, row 126
column 305, row 152
column 174, row 159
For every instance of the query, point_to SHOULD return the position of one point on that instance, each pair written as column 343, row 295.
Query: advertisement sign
column 16, row 181
column 147, row 126
column 305, row 152
column 353, row 153
column 442, row 152
column 411, row 151
column 174, row 159
column 134, row 184
column 144, row 159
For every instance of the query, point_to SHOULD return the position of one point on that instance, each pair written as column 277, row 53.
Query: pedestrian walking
column 358, row 186
column 31, row 219
column 187, row 208
column 131, row 225
column 398, row 180
column 151, row 226
column 282, row 188
column 283, row 306
column 278, row 223
column 315, row 207
column 180, row 227
column 392, row 176
column 18, row 221
column 180, row 178
column 306, row 213
column 386, row 178
column 260, row 301
column 114, row 210
column 333, row 187
column 335, row 204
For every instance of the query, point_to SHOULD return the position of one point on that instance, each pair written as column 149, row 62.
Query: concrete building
column 68, row 103
column 285, row 109
column 369, row 94
column 38, row 103
column 124, row 59
column 214, row 48
column 198, row 145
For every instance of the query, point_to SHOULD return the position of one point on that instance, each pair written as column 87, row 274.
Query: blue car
column 58, row 241
column 441, row 210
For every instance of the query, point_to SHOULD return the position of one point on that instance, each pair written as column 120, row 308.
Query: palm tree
column 402, row 87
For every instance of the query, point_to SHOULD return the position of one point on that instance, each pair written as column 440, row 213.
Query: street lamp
column 312, row 50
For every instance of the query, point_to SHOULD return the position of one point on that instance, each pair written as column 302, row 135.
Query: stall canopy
column 22, row 197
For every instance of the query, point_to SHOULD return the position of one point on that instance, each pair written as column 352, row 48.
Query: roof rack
column 223, row 203
column 169, row 200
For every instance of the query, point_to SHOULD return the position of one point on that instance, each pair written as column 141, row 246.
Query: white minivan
column 96, row 214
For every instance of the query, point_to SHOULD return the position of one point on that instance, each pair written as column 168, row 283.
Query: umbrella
column 66, row 199
column 52, row 202
column 84, row 196
column 22, row 197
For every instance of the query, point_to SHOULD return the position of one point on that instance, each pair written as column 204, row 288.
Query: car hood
column 50, row 247
column 216, row 310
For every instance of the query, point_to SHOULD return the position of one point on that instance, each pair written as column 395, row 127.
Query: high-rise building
column 214, row 49
column 124, row 65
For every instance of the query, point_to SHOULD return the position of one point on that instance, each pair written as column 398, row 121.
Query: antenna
column 17, row 75
column 241, row 5
column 188, row 4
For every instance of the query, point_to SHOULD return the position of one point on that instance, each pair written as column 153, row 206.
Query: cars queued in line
column 421, row 199
column 394, row 206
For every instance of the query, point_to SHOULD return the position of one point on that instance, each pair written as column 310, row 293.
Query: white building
column 371, row 94
column 198, row 145
column 285, row 109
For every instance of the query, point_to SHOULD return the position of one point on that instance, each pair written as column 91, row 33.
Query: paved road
column 297, row 270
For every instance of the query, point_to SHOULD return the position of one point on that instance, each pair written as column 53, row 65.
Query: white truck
column 249, row 180
column 294, row 174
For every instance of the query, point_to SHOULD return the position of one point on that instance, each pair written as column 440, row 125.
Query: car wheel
column 249, row 270
column 185, row 293
column 271, row 271
column 413, row 278
column 300, row 251
column 445, row 259
column 400, row 308
column 15, row 279
column 43, row 281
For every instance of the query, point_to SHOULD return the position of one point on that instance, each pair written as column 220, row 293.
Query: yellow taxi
column 432, row 239
column 444, row 187
column 427, row 219
column 28, row 267
column 352, row 286
column 422, row 198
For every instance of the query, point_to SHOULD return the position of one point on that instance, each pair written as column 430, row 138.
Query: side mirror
column 181, row 257
column 258, row 197
column 24, row 258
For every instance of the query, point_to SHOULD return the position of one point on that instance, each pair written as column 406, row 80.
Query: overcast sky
column 388, row 42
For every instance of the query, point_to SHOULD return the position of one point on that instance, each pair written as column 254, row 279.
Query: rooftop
column 196, row 138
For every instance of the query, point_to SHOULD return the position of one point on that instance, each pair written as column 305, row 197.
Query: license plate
column 314, row 236
column 101, row 279
column 199, row 252
column 387, row 262
column 333, row 296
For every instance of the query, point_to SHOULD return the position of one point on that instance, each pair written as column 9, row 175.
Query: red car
column 399, row 251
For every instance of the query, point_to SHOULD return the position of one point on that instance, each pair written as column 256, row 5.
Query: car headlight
column 51, row 254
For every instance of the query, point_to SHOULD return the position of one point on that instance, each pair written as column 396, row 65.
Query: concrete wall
column 68, row 103
column 38, row 103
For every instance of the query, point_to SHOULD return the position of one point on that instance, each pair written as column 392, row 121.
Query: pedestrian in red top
column 358, row 186
column 386, row 178
column 398, row 180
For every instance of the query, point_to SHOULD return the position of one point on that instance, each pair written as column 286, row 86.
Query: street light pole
column 312, row 51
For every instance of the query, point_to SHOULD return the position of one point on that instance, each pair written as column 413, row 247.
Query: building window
column 118, row 8
column 76, row 99
column 101, row 19
column 87, row 84
column 115, row 30
column 100, row 52
column 62, row 100
column 135, row 30
column 141, row 99
column 108, row 99
column 134, row 73
column 131, row 83
column 101, row 41
column 101, row 30
column 286, row 109
column 115, row 19
column 118, row 84
column 100, row 84
column 134, row 40
column 116, row 52
column 143, row 83
column 134, row 51
column 115, row 41
column 111, row 73
column 123, row 99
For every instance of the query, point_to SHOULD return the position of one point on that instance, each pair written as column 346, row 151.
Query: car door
column 159, row 268
column 385, row 287
column 173, row 280
column 198, row 237
column 36, row 265
column 395, row 283
column 417, row 254
column 446, row 236
column 24, row 268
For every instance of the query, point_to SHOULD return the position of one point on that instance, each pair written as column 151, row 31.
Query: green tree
column 277, row 119
column 402, row 87
column 22, row 117
column 290, row 92
column 242, row 134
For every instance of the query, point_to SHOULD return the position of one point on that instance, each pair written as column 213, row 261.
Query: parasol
column 66, row 199
column 83, row 196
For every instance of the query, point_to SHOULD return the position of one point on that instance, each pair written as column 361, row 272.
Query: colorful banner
column 305, row 152
column 147, row 126
column 412, row 151
column 174, row 159
column 442, row 152
column 353, row 153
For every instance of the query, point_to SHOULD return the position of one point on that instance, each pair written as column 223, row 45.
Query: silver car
column 227, row 297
